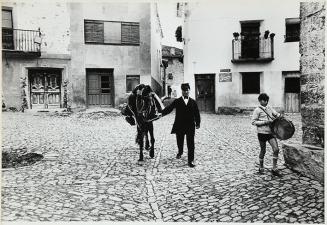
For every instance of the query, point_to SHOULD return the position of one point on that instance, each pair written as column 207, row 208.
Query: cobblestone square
column 90, row 173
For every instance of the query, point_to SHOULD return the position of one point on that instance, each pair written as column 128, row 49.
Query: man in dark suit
column 187, row 118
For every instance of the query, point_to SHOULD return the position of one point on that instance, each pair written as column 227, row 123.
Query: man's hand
column 197, row 127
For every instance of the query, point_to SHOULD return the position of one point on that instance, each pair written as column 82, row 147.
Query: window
column 106, row 32
column 131, row 82
column 170, row 76
column 292, row 30
column 105, row 84
column 292, row 85
column 251, row 83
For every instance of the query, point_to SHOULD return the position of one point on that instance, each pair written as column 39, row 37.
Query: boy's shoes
column 261, row 170
column 276, row 173
column 178, row 156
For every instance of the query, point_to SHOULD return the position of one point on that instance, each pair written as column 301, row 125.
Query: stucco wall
column 52, row 19
column 156, row 50
column 125, row 60
column 208, row 33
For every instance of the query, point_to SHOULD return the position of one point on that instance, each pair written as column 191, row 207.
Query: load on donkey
column 142, row 108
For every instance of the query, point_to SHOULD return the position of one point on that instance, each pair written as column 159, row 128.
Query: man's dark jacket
column 186, row 117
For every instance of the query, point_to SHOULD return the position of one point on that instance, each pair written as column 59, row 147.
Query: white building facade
column 227, row 72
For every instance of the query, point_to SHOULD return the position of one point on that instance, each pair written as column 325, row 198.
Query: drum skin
column 282, row 128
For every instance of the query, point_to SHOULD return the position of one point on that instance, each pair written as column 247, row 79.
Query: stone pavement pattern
column 90, row 173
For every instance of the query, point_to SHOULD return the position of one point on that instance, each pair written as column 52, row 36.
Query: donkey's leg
column 152, row 139
column 141, row 146
column 147, row 143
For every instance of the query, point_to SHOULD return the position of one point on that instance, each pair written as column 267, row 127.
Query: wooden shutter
column 6, row 19
column 94, row 31
column 130, row 33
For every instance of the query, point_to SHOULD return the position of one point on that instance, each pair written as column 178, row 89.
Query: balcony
column 253, row 49
column 21, row 43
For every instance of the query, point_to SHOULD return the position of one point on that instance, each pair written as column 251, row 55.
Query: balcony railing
column 21, row 41
column 253, row 49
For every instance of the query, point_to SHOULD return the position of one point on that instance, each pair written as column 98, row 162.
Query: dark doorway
column 205, row 92
column 250, row 32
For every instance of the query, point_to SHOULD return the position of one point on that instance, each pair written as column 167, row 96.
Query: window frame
column 244, row 74
column 121, row 24
column 129, row 77
column 288, row 22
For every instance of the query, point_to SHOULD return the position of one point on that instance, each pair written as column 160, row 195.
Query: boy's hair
column 264, row 97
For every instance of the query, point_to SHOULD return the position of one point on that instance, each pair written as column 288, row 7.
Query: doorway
column 45, row 88
column 100, row 88
column 250, row 39
column 205, row 92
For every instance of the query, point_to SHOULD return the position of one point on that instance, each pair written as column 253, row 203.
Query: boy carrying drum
column 262, row 118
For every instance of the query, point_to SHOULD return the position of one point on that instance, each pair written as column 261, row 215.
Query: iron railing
column 21, row 40
column 253, row 48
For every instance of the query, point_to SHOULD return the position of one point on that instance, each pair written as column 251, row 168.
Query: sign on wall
column 225, row 75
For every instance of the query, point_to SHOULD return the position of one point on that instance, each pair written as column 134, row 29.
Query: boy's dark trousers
column 190, row 144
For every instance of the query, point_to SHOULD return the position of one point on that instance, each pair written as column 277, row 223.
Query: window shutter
column 6, row 19
column 130, row 33
column 94, row 32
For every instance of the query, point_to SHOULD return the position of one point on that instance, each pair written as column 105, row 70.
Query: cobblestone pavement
column 90, row 173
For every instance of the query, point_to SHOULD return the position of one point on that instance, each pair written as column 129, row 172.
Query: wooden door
column 100, row 88
column 45, row 88
column 292, row 95
column 205, row 92
column 93, row 90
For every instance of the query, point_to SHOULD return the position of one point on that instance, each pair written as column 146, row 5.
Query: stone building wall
column 312, row 67
column 308, row 158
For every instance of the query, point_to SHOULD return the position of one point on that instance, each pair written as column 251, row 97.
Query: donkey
column 145, row 105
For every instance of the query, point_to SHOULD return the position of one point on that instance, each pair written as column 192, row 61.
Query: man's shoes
column 276, row 173
column 191, row 165
column 178, row 156
column 261, row 170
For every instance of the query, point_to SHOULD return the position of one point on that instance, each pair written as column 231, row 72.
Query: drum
column 282, row 128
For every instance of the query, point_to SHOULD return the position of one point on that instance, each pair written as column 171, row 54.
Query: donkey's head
column 144, row 101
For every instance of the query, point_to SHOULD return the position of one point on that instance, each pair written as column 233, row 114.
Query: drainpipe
column 164, row 66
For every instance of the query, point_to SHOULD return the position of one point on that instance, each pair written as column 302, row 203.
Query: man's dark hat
column 185, row 86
